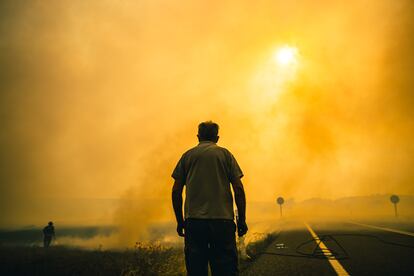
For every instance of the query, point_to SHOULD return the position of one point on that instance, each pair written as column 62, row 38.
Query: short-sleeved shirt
column 207, row 171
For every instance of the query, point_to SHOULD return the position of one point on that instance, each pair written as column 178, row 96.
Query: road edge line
column 384, row 228
column 336, row 265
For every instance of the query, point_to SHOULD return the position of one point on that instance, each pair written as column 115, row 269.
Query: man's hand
column 242, row 228
column 181, row 229
column 177, row 200
column 240, row 198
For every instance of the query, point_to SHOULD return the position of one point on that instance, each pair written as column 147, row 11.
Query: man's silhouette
column 48, row 234
column 207, row 171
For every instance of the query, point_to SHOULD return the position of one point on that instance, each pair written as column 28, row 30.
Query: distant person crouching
column 48, row 234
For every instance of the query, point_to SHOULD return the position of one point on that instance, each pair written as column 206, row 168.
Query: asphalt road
column 350, row 248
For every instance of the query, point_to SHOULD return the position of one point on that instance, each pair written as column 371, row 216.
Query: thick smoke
column 100, row 98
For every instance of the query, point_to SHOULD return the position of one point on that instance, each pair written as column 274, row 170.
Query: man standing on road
column 207, row 171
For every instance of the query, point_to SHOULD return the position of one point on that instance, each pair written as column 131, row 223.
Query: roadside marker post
column 280, row 201
column 394, row 200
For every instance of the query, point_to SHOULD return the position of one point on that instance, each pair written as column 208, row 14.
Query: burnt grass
column 58, row 260
column 142, row 260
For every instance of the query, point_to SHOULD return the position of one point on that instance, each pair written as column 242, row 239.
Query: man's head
column 50, row 223
column 208, row 131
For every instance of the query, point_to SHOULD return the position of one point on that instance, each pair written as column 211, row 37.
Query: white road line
column 336, row 265
column 384, row 229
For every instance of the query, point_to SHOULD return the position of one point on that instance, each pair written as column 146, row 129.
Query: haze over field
column 99, row 99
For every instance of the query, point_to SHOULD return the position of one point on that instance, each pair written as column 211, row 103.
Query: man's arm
column 240, row 198
column 177, row 201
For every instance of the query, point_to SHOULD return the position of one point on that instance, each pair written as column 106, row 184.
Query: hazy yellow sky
column 100, row 98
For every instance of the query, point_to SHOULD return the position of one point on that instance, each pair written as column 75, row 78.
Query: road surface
column 348, row 248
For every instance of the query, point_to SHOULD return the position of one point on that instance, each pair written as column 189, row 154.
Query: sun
column 286, row 55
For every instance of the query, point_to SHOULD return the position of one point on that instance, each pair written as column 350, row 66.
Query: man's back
column 49, row 231
column 207, row 171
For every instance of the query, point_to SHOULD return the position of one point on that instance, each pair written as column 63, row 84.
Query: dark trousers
column 210, row 241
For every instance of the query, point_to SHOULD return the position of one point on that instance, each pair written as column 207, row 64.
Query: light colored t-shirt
column 207, row 171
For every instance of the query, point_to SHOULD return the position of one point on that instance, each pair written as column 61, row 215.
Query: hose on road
column 340, row 254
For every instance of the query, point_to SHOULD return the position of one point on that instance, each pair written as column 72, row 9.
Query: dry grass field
column 142, row 260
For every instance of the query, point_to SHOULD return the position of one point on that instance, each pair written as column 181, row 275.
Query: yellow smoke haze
column 99, row 99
